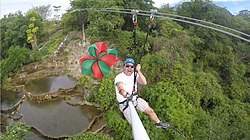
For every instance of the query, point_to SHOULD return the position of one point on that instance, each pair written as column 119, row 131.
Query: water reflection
column 50, row 84
column 9, row 98
column 55, row 118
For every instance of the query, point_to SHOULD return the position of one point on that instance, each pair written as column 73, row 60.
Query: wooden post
column 83, row 34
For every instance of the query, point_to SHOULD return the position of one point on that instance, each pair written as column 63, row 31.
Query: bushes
column 124, row 43
column 119, row 126
column 16, row 131
column 105, row 95
column 17, row 56
column 170, row 105
column 230, row 121
column 90, row 136
column 155, row 67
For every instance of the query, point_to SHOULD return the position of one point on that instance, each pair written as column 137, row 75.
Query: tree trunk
column 83, row 33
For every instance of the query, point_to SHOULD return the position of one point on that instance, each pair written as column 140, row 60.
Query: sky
column 11, row 6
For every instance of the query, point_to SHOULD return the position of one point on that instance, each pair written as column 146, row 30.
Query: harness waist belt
column 127, row 101
column 122, row 102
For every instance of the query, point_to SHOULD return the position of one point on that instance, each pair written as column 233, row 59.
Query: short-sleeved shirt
column 128, row 83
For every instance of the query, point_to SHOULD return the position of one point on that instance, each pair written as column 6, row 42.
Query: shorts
column 139, row 104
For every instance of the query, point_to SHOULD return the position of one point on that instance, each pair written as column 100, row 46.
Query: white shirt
column 128, row 83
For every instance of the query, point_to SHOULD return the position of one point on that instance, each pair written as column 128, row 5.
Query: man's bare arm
column 121, row 89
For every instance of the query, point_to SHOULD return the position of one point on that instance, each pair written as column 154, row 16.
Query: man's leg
column 143, row 106
column 152, row 114
column 126, row 113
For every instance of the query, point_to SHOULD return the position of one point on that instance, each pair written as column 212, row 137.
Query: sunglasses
column 127, row 66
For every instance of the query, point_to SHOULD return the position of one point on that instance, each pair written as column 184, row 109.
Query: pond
column 49, row 84
column 55, row 118
column 9, row 98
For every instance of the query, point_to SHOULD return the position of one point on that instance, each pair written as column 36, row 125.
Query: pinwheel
column 98, row 60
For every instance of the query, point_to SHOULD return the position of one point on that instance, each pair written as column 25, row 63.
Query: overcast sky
column 11, row 6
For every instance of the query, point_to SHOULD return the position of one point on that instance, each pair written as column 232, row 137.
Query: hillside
column 198, row 77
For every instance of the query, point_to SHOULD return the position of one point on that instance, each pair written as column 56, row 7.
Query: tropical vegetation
column 198, row 78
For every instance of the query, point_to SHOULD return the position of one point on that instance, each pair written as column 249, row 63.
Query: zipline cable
column 203, row 21
column 164, row 15
column 205, row 26
column 126, row 11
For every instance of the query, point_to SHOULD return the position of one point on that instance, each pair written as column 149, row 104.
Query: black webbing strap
column 127, row 100
column 149, row 30
column 134, row 18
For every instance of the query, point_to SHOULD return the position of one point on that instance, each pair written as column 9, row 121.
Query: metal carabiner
column 134, row 12
column 153, row 12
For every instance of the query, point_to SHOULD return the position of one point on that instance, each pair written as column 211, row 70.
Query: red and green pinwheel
column 99, row 60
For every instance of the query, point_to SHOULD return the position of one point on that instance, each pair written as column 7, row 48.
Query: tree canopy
column 198, row 78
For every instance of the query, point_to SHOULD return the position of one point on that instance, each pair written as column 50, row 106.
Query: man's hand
column 142, row 80
column 123, row 93
column 138, row 67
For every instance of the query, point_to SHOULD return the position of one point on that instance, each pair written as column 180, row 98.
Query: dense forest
column 198, row 78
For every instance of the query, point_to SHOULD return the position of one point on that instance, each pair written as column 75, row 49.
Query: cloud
column 177, row 1
column 228, row 0
column 12, row 6
column 158, row 3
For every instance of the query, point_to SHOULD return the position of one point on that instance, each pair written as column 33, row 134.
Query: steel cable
column 171, row 17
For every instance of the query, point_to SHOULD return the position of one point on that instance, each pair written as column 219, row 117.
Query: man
column 124, row 85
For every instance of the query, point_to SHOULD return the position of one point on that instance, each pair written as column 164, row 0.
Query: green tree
column 16, row 58
column 165, row 8
column 98, row 23
column 245, row 14
column 44, row 11
column 31, row 33
column 242, row 22
column 210, row 89
column 229, row 121
column 155, row 67
column 16, row 131
column 168, row 29
column 13, row 32
column 238, row 88
column 35, row 28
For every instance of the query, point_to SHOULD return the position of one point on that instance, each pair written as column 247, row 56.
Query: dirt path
column 74, row 51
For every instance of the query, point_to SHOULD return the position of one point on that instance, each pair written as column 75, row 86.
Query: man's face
column 128, row 68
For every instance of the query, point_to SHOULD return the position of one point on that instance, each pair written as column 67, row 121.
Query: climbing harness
column 125, row 102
